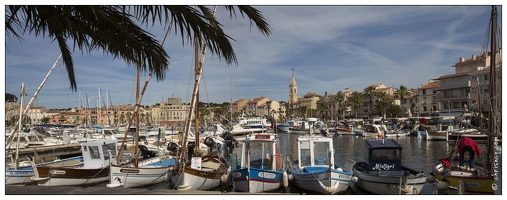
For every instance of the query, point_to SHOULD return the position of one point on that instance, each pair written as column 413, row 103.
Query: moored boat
column 383, row 173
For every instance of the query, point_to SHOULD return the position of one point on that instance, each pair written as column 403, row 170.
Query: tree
column 383, row 99
column 356, row 100
column 394, row 110
column 340, row 97
column 44, row 120
column 370, row 92
column 114, row 30
column 401, row 93
column 10, row 98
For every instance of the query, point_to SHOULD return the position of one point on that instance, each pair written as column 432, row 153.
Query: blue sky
column 329, row 47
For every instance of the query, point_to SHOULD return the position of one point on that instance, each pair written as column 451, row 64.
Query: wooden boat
column 138, row 166
column 484, row 178
column 94, row 168
column 197, row 171
column 260, row 169
column 384, row 173
column 315, row 170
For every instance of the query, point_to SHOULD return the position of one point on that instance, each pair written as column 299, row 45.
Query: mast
column 492, row 86
column 136, row 114
column 193, row 103
column 32, row 100
column 19, row 124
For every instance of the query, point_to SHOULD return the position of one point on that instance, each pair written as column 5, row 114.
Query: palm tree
column 383, row 98
column 115, row 30
column 340, row 97
column 356, row 100
column 370, row 92
column 401, row 93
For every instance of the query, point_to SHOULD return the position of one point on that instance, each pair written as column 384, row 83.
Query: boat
column 383, row 173
column 373, row 130
column 93, row 169
column 397, row 133
column 305, row 127
column 450, row 178
column 344, row 129
column 315, row 170
column 138, row 166
column 197, row 171
column 466, row 132
column 433, row 135
column 261, row 166
column 283, row 127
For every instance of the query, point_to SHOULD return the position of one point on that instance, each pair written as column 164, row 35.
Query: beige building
column 171, row 112
column 254, row 107
column 239, row 106
column 427, row 96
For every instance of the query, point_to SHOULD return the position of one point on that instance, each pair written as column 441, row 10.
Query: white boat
column 373, row 130
column 397, row 133
column 23, row 173
column 261, row 167
column 315, row 170
column 383, row 173
column 93, row 169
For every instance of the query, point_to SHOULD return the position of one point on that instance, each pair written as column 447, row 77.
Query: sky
column 327, row 47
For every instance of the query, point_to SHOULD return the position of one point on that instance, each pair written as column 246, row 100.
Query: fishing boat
column 450, row 178
column 383, row 173
column 94, row 168
column 261, row 167
column 344, row 129
column 315, row 170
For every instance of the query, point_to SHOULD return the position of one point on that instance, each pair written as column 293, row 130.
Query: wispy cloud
column 329, row 47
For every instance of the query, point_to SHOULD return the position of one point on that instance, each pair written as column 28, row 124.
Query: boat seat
column 211, row 165
column 66, row 163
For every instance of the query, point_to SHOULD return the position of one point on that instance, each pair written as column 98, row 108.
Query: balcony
column 452, row 97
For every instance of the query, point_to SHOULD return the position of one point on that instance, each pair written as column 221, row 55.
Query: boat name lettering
column 380, row 166
column 266, row 175
column 472, row 184
column 129, row 171
column 311, row 176
column 19, row 173
column 57, row 172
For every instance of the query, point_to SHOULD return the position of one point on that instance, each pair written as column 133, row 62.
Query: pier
column 46, row 153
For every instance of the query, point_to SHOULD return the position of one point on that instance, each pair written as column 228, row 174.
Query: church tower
column 293, row 91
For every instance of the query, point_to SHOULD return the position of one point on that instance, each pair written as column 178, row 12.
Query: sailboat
column 198, row 171
column 484, row 179
column 138, row 166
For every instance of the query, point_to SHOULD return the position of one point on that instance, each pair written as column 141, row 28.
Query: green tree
column 340, row 97
column 383, row 99
column 44, row 120
column 394, row 110
column 356, row 100
column 401, row 93
column 10, row 98
column 115, row 30
column 370, row 92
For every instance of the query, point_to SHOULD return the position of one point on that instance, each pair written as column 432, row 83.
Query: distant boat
column 383, row 173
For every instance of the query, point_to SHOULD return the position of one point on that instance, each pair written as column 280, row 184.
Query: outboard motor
column 146, row 153
column 323, row 132
column 210, row 143
column 172, row 146
column 191, row 146
column 229, row 142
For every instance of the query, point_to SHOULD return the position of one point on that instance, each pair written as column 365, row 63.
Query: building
column 427, row 96
column 255, row 108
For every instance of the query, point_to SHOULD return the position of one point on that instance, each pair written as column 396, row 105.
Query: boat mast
column 138, row 100
column 492, row 89
column 32, row 99
column 22, row 94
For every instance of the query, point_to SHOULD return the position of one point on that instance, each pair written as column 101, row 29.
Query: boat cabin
column 97, row 153
column 262, row 150
column 383, row 154
column 315, row 151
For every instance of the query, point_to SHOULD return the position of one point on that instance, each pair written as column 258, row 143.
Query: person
column 468, row 145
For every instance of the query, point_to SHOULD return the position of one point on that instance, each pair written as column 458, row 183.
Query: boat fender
column 461, row 187
column 430, row 178
column 339, row 169
column 443, row 185
column 291, row 177
column 354, row 179
column 285, row 179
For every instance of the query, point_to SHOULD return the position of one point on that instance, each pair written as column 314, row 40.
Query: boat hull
column 151, row 171
column 389, row 182
column 18, row 176
column 436, row 135
column 258, row 181
column 62, row 176
column 318, row 182
column 472, row 184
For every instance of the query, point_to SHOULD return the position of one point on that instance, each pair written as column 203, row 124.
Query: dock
column 47, row 153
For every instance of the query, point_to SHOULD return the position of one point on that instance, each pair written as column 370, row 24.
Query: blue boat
column 261, row 167
column 315, row 170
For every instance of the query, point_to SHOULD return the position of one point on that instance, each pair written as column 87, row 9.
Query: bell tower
column 293, row 91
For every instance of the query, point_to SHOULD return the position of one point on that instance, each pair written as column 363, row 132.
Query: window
column 424, row 91
column 94, row 152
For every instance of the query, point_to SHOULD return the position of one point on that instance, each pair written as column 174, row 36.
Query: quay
column 74, row 190
column 47, row 153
